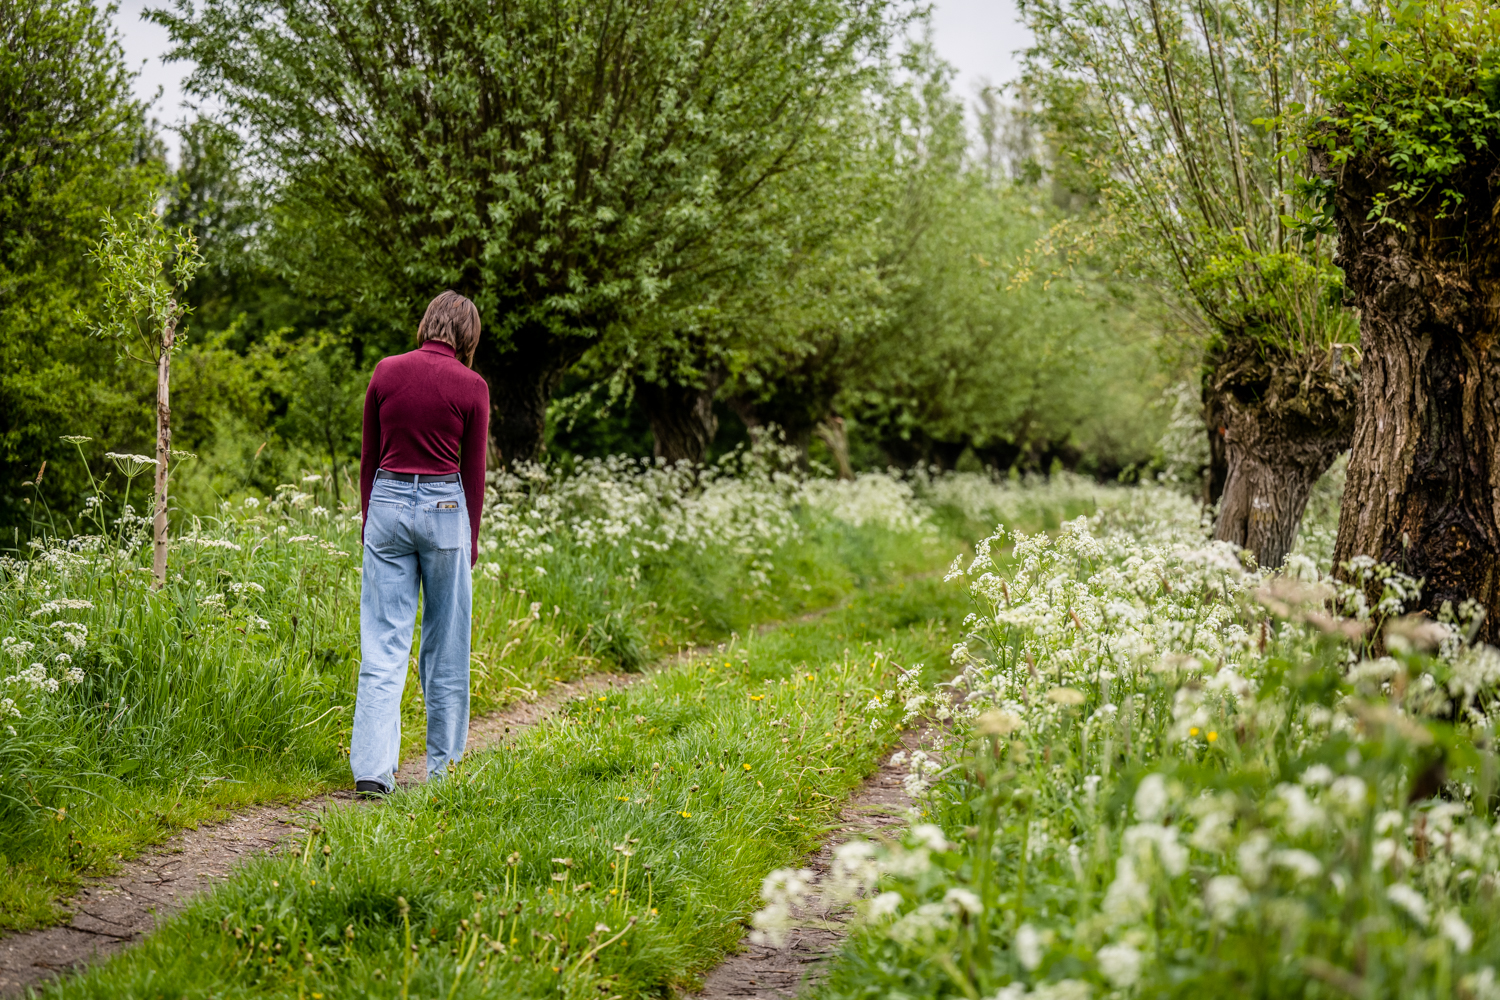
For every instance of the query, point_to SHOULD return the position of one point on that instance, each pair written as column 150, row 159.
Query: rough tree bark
column 1423, row 488
column 682, row 419
column 163, row 450
column 523, row 375
column 1284, row 419
column 1217, row 472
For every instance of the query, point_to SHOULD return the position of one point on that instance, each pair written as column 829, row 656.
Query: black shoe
column 370, row 790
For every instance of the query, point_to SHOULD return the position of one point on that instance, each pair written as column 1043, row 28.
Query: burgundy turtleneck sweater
column 426, row 412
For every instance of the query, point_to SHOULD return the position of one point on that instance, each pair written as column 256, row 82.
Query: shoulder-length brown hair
column 451, row 319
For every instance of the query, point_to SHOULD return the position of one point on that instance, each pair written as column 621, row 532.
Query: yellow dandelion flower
column 1212, row 736
column 685, row 815
column 746, row 766
column 1193, row 731
column 757, row 697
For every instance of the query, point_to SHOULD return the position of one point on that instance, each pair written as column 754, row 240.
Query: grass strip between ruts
column 611, row 851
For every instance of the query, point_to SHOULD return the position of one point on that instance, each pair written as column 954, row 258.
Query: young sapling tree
column 144, row 268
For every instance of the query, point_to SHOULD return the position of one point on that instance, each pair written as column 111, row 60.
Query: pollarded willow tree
column 1183, row 111
column 559, row 161
column 1408, row 151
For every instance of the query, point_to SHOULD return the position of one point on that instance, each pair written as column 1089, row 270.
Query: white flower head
column 1410, row 900
column 1253, row 857
column 1349, row 793
column 1456, row 930
column 1224, row 896
column 1151, row 798
column 930, row 836
column 1317, row 776
column 1127, row 899
column 963, row 900
column 1030, row 946
column 1120, row 964
column 1299, row 863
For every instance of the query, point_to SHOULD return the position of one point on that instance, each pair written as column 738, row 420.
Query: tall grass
column 130, row 712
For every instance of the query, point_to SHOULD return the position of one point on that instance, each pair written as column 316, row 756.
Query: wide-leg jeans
column 416, row 536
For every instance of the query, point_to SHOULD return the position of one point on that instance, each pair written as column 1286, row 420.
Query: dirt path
column 111, row 913
column 114, row 912
column 764, row 973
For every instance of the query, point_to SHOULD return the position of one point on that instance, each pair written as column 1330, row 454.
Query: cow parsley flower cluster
column 1175, row 770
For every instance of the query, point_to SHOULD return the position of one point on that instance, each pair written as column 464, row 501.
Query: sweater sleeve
column 369, row 452
column 472, row 461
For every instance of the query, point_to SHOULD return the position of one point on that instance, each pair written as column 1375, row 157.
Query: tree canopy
column 560, row 162
column 74, row 143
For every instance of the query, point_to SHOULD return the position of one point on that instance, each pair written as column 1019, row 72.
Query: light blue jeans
column 416, row 535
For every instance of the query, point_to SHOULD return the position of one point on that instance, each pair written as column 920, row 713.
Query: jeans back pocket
column 447, row 524
column 384, row 531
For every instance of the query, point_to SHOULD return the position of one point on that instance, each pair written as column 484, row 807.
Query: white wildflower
column 887, row 904
column 963, row 900
column 1349, row 793
column 1029, row 947
column 930, row 836
column 1456, row 930
column 1120, row 964
column 1410, row 900
column 1063, row 989
column 1253, row 857
column 1127, row 899
column 1317, row 776
column 1299, row 863
column 1225, row 895
column 1482, row 985
column 1151, row 798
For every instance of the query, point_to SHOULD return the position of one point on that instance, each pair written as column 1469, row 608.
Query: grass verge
column 612, row 851
column 235, row 684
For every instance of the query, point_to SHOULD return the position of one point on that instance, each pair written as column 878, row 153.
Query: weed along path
column 613, row 845
column 763, row 972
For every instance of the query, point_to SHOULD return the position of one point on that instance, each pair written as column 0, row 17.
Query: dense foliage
column 73, row 142
column 1180, row 115
column 1416, row 86
column 1169, row 776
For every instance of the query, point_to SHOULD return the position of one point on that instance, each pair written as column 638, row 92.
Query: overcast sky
column 979, row 37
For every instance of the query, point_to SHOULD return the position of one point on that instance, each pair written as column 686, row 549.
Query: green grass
column 710, row 774
column 212, row 694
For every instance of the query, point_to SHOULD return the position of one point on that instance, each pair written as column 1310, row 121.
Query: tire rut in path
column 114, row 912
column 761, row 972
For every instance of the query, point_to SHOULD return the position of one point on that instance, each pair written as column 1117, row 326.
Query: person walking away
column 421, row 483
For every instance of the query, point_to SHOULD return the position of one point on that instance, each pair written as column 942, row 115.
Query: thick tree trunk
column 1423, row 488
column 1284, row 420
column 1217, row 473
column 682, row 419
column 523, row 376
column 832, row 433
column 163, row 452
